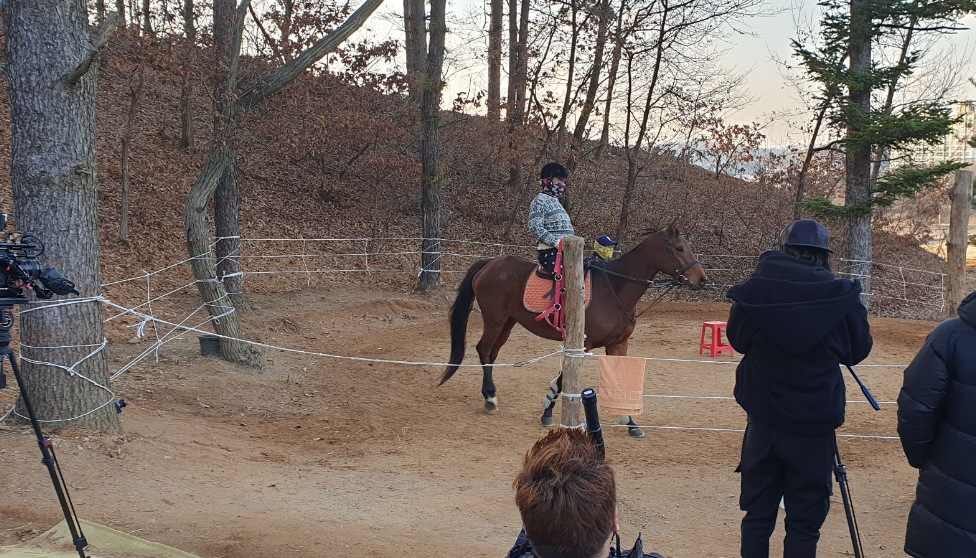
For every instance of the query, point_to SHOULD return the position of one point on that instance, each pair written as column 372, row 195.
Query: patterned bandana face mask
column 552, row 188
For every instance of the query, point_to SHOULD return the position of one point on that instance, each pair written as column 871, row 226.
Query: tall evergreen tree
column 849, row 75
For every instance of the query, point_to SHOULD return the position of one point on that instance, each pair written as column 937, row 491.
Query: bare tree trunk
column 495, row 61
column 134, row 99
column 147, row 29
column 99, row 11
column 561, row 127
column 513, row 54
column 857, row 226
column 633, row 153
column 120, row 7
column 632, row 172
column 186, row 111
column 227, row 225
column 286, row 48
column 228, row 26
column 54, row 177
column 228, row 230
column 590, row 102
column 189, row 28
column 518, row 79
column 186, row 92
column 611, row 81
column 414, row 18
column 801, row 181
column 522, row 70
column 432, row 179
column 219, row 157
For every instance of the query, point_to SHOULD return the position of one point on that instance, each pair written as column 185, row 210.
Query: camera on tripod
column 20, row 270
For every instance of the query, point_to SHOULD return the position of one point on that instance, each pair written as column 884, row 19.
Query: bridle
column 667, row 284
column 679, row 273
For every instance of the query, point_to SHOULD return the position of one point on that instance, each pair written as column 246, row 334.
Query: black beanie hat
column 553, row 170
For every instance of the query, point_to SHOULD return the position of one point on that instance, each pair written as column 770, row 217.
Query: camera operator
column 795, row 323
column 937, row 426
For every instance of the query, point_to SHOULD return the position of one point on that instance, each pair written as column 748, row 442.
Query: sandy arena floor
column 322, row 457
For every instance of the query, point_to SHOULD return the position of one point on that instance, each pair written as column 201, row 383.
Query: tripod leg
column 840, row 472
column 50, row 461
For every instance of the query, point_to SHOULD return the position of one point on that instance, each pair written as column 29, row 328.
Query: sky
column 761, row 41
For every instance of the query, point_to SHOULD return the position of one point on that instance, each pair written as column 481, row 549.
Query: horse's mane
column 652, row 230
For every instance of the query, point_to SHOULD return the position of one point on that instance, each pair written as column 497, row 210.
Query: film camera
column 20, row 270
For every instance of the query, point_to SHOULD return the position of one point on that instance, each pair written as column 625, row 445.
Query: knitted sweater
column 548, row 221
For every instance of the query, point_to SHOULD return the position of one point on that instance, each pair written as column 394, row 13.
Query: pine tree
column 848, row 78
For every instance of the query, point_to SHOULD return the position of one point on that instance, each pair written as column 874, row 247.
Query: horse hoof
column 491, row 407
column 547, row 421
column 636, row 432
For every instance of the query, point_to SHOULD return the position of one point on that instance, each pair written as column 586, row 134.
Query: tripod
column 840, row 473
column 49, row 459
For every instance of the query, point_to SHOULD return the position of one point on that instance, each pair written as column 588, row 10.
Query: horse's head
column 681, row 262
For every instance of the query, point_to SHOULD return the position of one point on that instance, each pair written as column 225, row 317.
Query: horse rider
column 795, row 323
column 603, row 247
column 548, row 220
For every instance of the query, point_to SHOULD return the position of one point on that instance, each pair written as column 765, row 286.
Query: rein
column 667, row 284
column 679, row 274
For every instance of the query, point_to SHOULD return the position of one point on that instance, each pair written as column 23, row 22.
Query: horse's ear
column 673, row 227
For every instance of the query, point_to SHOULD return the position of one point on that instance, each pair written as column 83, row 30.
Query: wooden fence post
column 572, row 362
column 961, row 195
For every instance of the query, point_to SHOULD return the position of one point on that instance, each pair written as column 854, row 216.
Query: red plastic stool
column 716, row 345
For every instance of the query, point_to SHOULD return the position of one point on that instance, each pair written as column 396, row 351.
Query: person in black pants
column 795, row 323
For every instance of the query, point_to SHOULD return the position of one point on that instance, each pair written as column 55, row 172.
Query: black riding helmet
column 553, row 170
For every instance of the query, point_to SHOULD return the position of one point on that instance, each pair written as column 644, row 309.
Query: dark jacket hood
column 783, row 288
column 967, row 311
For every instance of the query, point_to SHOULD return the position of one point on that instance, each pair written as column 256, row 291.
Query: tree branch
column 101, row 39
column 264, row 32
column 287, row 73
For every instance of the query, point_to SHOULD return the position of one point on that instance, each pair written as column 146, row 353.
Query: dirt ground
column 324, row 457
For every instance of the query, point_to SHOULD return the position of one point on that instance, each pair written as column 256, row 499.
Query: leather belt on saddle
column 547, row 295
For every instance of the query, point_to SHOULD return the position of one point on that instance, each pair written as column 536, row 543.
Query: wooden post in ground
column 961, row 195
column 575, row 324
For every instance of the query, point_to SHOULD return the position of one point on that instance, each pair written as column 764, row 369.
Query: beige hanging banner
column 622, row 385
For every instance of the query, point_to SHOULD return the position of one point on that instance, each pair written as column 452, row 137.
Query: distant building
column 954, row 146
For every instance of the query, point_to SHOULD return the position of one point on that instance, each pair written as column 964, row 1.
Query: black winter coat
column 795, row 324
column 937, row 426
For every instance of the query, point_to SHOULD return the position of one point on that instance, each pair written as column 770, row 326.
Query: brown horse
column 498, row 284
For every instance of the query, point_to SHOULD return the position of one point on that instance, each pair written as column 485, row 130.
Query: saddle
column 541, row 288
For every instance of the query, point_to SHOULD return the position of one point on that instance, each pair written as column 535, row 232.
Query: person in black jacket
column 937, row 426
column 795, row 323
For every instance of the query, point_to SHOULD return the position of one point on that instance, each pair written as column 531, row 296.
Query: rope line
column 703, row 429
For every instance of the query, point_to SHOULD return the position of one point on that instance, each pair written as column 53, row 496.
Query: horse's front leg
column 620, row 349
column 550, row 400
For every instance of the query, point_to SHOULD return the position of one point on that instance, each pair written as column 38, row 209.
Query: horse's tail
column 459, row 319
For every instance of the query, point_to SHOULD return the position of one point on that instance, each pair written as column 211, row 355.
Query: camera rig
column 20, row 273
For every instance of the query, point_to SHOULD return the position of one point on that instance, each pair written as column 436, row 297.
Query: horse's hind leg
column 491, row 342
column 620, row 349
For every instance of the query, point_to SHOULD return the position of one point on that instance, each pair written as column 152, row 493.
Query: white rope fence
column 167, row 330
